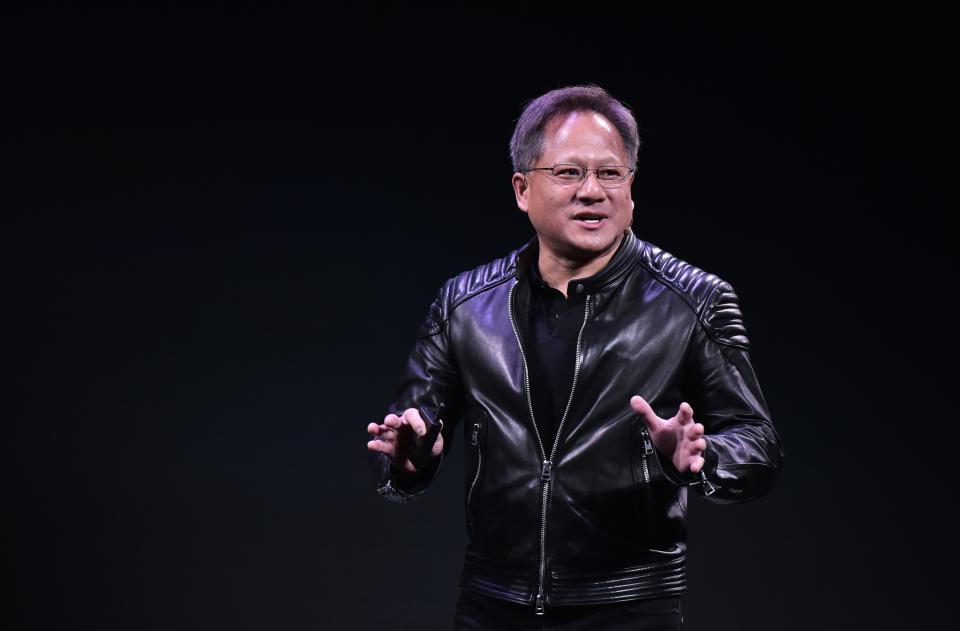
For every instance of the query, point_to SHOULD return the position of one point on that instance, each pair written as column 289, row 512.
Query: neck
column 558, row 270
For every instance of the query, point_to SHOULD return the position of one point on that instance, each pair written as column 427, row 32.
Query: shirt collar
column 580, row 287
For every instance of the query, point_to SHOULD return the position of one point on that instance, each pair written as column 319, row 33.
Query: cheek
column 542, row 218
column 544, row 209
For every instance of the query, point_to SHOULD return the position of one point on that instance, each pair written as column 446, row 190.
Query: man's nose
column 590, row 188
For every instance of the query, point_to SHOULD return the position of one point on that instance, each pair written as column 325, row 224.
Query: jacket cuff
column 704, row 480
column 405, row 486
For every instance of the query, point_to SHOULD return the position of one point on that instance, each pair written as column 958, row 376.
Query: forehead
column 582, row 132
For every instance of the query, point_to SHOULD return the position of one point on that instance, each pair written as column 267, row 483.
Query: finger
column 696, row 464
column 387, row 434
column 382, row 446
column 392, row 420
column 698, row 446
column 437, row 446
column 384, row 432
column 641, row 407
column 412, row 417
column 694, row 431
column 685, row 414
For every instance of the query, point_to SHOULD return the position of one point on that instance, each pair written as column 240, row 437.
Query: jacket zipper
column 645, row 466
column 647, row 450
column 475, row 442
column 546, row 470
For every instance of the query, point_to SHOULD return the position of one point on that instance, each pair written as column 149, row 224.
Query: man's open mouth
column 593, row 218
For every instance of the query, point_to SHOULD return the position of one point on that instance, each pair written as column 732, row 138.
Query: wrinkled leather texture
column 657, row 327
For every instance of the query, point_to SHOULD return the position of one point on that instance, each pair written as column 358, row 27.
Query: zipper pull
column 708, row 488
column 475, row 438
column 547, row 471
column 539, row 602
column 647, row 443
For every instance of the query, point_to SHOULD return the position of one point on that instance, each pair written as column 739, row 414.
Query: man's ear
column 520, row 190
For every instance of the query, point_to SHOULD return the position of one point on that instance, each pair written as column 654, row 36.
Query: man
column 598, row 378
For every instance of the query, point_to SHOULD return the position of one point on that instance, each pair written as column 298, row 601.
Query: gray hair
column 527, row 143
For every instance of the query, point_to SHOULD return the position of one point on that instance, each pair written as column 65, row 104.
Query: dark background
column 224, row 225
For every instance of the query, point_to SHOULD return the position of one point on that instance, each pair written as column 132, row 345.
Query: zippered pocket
column 645, row 473
column 647, row 456
column 477, row 457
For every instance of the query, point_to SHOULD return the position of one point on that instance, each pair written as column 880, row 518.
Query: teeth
column 592, row 220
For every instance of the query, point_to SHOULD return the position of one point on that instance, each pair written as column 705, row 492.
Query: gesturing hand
column 679, row 437
column 385, row 436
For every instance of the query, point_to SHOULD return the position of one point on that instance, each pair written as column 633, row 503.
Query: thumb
column 641, row 407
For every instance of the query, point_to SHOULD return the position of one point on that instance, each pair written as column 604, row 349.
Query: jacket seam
column 745, row 464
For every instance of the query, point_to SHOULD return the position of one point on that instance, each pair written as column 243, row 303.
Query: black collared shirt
column 555, row 323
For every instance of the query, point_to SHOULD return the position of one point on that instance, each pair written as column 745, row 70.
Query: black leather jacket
column 599, row 516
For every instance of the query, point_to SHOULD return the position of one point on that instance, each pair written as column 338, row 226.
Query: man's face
column 577, row 222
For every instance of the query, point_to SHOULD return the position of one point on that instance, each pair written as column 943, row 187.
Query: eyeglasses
column 609, row 176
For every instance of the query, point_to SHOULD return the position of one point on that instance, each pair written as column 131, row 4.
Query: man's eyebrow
column 601, row 162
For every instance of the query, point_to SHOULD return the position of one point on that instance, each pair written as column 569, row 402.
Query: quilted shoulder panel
column 711, row 298
column 462, row 287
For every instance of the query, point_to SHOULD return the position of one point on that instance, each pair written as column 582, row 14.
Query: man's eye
column 567, row 172
column 609, row 173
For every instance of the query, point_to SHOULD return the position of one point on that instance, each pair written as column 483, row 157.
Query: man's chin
column 585, row 251
column 592, row 247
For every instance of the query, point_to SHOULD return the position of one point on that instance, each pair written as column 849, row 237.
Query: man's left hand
column 679, row 438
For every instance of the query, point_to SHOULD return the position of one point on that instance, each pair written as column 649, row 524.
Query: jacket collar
column 612, row 273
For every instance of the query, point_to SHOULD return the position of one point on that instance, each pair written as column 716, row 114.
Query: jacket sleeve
column 430, row 380
column 744, row 453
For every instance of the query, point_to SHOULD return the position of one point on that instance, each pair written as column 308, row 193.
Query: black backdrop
column 223, row 226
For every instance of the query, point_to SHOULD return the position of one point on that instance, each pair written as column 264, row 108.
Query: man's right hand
column 386, row 434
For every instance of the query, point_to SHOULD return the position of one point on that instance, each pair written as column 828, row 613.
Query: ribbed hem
column 639, row 582
column 489, row 579
column 654, row 580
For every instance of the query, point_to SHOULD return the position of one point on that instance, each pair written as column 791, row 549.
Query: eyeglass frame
column 548, row 171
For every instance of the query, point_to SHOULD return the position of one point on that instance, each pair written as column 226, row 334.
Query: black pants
column 482, row 613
